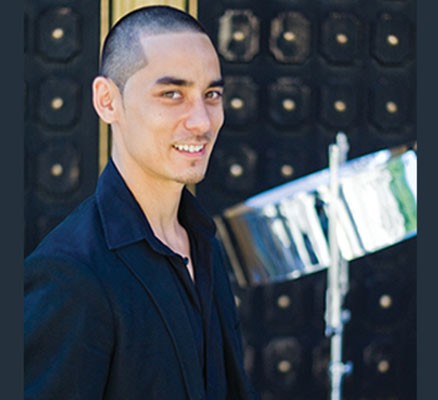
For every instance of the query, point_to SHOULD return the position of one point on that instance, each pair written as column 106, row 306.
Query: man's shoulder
column 76, row 236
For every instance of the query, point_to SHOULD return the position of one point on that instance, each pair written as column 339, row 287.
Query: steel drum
column 282, row 234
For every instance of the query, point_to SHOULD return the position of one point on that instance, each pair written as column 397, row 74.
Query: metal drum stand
column 337, row 276
column 368, row 203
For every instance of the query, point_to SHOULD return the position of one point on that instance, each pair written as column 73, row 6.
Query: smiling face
column 167, row 119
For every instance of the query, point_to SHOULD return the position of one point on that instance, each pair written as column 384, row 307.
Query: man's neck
column 160, row 204
column 159, row 201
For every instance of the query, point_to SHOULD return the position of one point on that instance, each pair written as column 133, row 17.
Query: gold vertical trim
column 103, row 127
column 122, row 7
column 193, row 7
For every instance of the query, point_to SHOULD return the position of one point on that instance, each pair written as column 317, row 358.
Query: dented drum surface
column 282, row 234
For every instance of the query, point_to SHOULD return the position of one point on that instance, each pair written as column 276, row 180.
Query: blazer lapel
column 160, row 285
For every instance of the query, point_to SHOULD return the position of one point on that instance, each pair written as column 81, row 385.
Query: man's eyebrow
column 170, row 80
column 219, row 82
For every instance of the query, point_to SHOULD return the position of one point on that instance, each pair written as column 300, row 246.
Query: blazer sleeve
column 68, row 331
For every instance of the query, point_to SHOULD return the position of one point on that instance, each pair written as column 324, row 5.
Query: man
column 129, row 298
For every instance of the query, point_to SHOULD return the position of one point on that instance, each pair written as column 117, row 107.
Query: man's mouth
column 189, row 148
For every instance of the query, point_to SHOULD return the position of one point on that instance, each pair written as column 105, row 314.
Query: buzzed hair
column 122, row 53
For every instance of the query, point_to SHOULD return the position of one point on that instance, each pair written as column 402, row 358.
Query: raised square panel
column 290, row 38
column 289, row 101
column 340, row 38
column 283, row 360
column 338, row 104
column 235, row 166
column 238, row 36
column 59, row 34
column 389, row 104
column 393, row 39
column 58, row 169
column 240, row 100
column 58, row 102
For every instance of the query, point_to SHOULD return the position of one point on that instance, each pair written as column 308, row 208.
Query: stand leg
column 337, row 278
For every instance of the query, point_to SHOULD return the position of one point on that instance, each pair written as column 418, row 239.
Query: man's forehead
column 186, row 44
column 150, row 36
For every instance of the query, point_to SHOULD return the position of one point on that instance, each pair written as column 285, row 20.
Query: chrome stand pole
column 337, row 276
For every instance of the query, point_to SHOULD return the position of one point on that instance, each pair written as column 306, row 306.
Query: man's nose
column 198, row 120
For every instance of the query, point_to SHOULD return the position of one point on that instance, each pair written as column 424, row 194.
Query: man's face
column 171, row 110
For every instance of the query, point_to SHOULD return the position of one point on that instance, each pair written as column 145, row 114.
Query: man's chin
column 191, row 179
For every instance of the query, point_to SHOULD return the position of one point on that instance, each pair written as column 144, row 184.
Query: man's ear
column 105, row 97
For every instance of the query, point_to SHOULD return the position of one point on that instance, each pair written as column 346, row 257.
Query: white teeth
column 188, row 148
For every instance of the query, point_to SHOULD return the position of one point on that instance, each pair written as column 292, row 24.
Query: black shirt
column 197, row 297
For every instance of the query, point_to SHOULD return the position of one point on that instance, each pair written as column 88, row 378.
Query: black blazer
column 101, row 321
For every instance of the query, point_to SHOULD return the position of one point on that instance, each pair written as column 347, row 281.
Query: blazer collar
column 124, row 222
column 157, row 281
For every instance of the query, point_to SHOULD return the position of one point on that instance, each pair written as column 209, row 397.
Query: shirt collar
column 124, row 222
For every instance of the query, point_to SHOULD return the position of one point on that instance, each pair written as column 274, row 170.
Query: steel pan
column 282, row 234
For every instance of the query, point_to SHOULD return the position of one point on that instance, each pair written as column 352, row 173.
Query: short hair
column 122, row 53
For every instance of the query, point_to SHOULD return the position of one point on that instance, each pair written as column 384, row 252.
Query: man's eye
column 172, row 94
column 214, row 94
